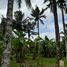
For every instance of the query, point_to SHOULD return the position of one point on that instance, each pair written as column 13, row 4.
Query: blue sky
column 48, row 27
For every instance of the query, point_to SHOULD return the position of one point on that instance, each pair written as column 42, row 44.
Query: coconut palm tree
column 8, row 33
column 54, row 10
column 53, row 6
column 38, row 15
column 62, row 4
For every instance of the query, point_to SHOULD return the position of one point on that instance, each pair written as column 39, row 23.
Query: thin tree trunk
column 56, row 33
column 66, row 48
column 28, row 34
column 64, row 30
column 7, row 36
column 38, row 28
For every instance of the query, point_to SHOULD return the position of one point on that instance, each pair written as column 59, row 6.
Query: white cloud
column 49, row 35
column 3, row 12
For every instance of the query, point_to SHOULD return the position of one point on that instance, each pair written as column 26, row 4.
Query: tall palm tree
column 38, row 15
column 56, row 32
column 53, row 6
column 62, row 4
column 8, row 33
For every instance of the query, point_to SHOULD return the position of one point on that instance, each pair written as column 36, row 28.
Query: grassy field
column 39, row 62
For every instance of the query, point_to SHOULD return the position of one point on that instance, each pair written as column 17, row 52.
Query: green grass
column 65, row 60
column 39, row 62
column 13, row 64
column 42, row 62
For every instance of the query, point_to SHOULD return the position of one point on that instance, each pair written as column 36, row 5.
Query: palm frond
column 35, row 12
column 46, row 8
column 42, row 11
column 30, row 18
column 22, row 15
column 49, row 5
column 37, row 9
column 41, row 21
column 16, row 33
column 45, row 1
column 28, row 3
column 19, row 3
column 14, row 24
column 19, row 15
column 43, row 16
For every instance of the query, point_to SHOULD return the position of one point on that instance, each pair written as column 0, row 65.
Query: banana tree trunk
column 7, row 36
column 56, row 33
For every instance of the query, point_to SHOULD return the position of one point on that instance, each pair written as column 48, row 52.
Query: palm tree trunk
column 64, row 30
column 56, row 33
column 7, row 36
column 38, row 28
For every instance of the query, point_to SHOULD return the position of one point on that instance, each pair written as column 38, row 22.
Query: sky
column 48, row 27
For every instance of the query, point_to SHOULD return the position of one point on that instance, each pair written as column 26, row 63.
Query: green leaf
column 41, row 21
